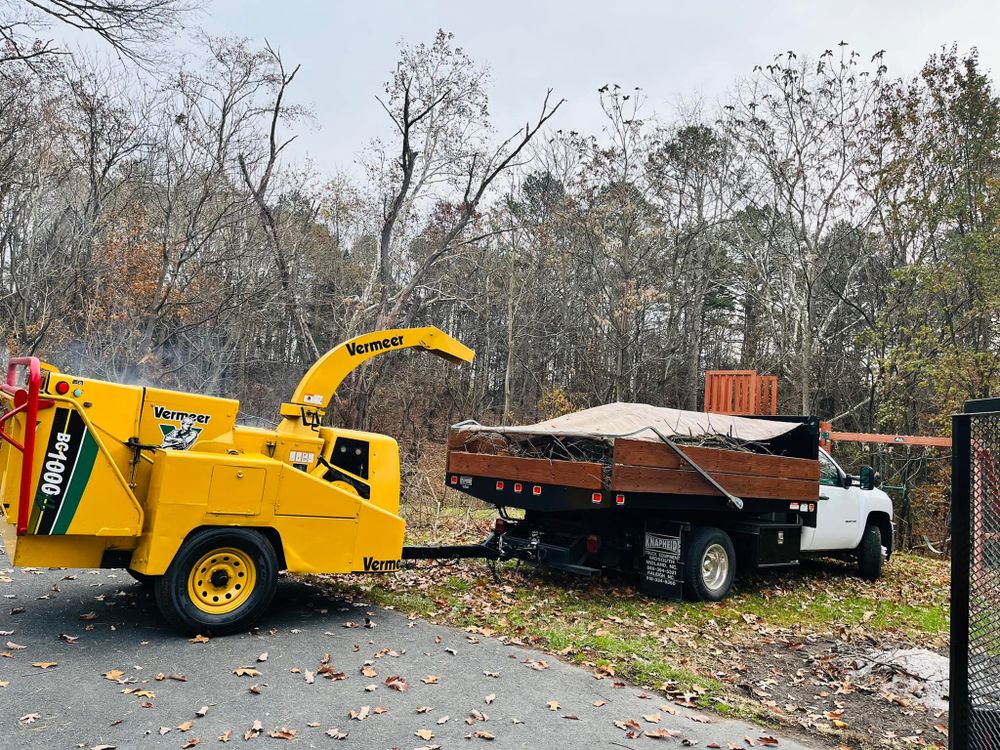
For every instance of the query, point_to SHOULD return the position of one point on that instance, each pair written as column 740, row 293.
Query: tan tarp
column 643, row 422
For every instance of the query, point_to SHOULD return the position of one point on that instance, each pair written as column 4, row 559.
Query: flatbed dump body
column 641, row 474
column 645, row 493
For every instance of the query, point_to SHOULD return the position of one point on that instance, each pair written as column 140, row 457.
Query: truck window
column 828, row 472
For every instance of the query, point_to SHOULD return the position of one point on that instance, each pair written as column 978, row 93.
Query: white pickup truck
column 853, row 518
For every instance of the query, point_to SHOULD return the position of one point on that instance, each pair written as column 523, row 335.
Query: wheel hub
column 715, row 567
column 222, row 580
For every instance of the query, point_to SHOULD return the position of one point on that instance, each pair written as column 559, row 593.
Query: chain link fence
column 975, row 585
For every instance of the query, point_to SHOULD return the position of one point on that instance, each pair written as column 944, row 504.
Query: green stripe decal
column 77, row 485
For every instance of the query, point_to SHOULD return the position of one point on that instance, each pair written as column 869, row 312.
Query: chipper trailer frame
column 166, row 485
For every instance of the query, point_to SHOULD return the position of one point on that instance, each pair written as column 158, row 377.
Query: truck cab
column 847, row 507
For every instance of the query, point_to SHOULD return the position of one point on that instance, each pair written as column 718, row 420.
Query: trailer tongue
column 677, row 497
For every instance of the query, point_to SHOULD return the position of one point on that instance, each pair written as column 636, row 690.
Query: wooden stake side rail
column 647, row 467
column 687, row 482
column 581, row 474
column 662, row 456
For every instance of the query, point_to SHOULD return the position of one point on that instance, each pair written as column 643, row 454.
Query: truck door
column 838, row 510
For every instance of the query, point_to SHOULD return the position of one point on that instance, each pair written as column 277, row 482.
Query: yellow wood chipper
column 168, row 486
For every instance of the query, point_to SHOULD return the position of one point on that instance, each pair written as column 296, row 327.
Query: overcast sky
column 673, row 50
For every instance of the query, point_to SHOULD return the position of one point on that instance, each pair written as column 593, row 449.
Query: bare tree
column 133, row 29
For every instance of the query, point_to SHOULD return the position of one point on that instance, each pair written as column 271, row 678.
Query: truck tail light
column 593, row 544
column 619, row 499
column 518, row 487
column 536, row 490
column 454, row 479
column 595, row 498
column 499, row 485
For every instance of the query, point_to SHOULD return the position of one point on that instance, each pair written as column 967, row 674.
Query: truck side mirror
column 868, row 478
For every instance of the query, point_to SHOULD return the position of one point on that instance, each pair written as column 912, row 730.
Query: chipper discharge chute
column 167, row 485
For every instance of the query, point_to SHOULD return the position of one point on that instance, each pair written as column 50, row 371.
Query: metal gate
column 974, row 715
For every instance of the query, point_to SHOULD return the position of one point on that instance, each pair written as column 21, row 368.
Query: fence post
column 961, row 474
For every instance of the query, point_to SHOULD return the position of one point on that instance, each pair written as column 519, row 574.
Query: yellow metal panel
column 180, row 421
column 301, row 494
column 63, row 551
column 236, row 490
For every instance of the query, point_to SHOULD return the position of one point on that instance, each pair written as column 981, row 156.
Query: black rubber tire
column 697, row 545
column 171, row 589
column 870, row 553
column 142, row 578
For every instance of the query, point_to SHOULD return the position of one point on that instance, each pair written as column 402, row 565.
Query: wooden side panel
column 538, row 470
column 661, row 455
column 687, row 482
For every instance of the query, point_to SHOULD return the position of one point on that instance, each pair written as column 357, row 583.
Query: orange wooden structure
column 829, row 436
column 740, row 392
column 745, row 392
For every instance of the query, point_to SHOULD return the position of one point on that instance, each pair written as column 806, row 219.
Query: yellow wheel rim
column 222, row 580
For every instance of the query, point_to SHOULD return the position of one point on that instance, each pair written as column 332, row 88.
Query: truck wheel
column 710, row 564
column 870, row 553
column 221, row 580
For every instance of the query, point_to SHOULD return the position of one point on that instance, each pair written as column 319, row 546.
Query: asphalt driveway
column 86, row 663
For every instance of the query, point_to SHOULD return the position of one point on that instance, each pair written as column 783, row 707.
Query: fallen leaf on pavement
column 430, row 679
column 282, row 734
column 337, row 734
column 424, row 734
column 254, row 730
column 226, row 736
column 44, row 664
column 362, row 714
column 661, row 733
column 395, row 682
column 199, row 639
column 200, row 713
column 246, row 672
column 185, row 725
column 553, row 705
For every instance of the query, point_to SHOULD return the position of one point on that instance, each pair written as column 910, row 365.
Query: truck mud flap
column 662, row 572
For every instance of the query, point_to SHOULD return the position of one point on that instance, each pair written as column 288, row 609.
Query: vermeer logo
column 183, row 434
column 380, row 566
column 369, row 347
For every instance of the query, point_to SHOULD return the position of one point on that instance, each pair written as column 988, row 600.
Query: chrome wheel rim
column 714, row 567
